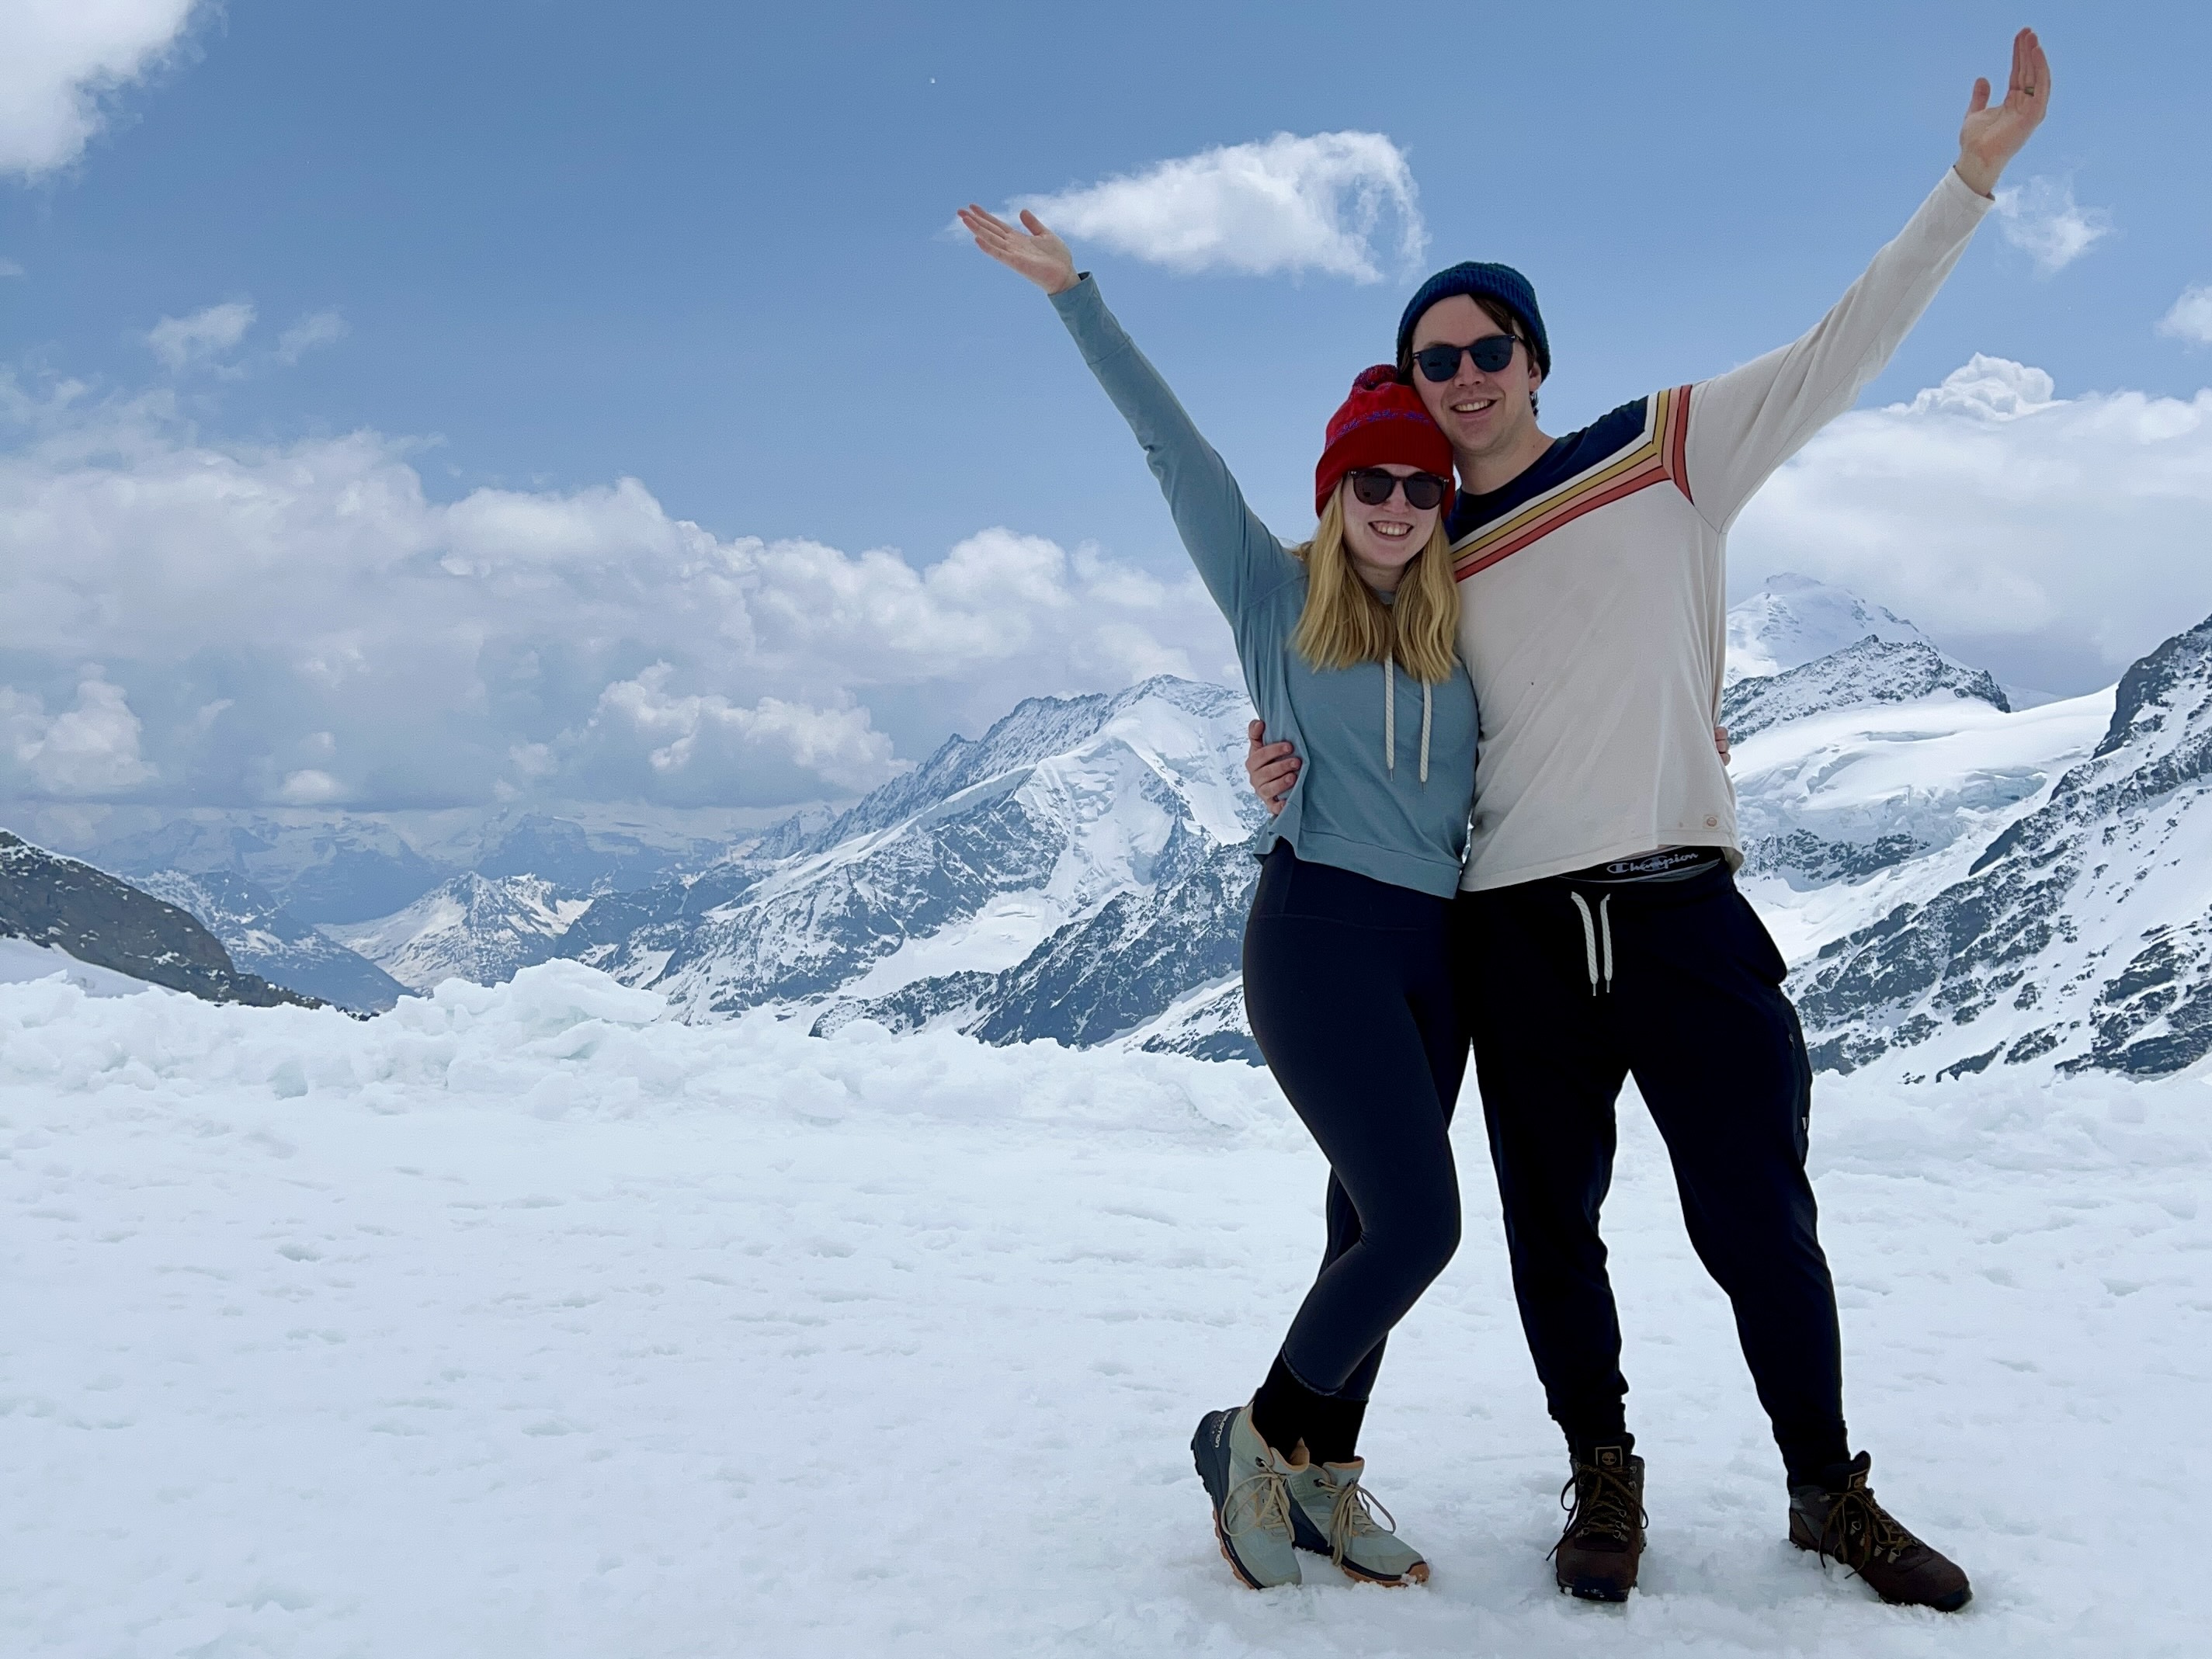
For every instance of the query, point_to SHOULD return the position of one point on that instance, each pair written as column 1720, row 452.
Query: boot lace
column 1352, row 1516
column 1261, row 1501
column 1858, row 1529
column 1604, row 1505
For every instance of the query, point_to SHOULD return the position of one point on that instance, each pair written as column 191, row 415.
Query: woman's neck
column 1383, row 579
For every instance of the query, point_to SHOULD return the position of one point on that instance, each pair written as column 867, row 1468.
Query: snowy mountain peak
column 1872, row 671
column 2080, row 938
column 1034, row 729
column 473, row 927
column 1794, row 620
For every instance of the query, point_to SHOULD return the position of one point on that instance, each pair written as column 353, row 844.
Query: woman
column 1346, row 644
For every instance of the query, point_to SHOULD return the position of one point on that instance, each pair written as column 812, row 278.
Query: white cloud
column 1284, row 204
column 2042, row 218
column 322, row 328
column 12, row 268
column 89, row 750
column 2054, row 539
column 300, row 622
column 309, row 786
column 183, row 342
column 60, row 59
column 701, row 736
column 2192, row 316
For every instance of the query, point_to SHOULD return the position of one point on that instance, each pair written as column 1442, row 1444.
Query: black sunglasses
column 1374, row 486
column 1490, row 353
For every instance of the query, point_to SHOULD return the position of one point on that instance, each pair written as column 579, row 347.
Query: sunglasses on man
column 1374, row 486
column 1492, row 353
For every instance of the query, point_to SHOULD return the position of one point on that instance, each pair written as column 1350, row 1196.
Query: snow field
column 522, row 1321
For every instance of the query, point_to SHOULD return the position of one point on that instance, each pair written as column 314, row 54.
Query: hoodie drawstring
column 1390, row 718
column 1389, row 713
column 1591, row 934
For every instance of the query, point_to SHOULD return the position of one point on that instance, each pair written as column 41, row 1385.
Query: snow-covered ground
column 522, row 1321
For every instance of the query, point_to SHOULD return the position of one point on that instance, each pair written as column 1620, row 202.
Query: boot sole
column 1587, row 1589
column 1942, row 1604
column 1308, row 1537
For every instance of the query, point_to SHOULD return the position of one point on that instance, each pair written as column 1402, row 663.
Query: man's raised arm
column 1745, row 424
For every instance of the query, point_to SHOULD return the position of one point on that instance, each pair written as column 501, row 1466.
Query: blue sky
column 538, row 248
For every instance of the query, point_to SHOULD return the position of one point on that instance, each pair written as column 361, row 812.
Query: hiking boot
column 1595, row 1557
column 1333, row 1515
column 1246, row 1479
column 1837, row 1518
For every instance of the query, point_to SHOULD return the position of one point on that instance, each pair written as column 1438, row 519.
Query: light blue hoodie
column 1367, row 733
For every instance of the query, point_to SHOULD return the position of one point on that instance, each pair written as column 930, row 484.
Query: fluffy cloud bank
column 60, row 59
column 300, row 624
column 2054, row 539
column 1286, row 205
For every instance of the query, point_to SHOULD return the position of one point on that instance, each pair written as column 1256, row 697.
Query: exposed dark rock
column 101, row 920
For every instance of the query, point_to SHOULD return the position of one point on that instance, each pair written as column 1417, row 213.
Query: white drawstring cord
column 1389, row 714
column 1591, row 935
column 1390, row 718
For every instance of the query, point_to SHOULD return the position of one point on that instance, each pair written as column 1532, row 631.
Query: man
column 1604, row 935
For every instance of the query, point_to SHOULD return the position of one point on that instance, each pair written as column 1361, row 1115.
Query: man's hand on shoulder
column 1272, row 767
column 1992, row 134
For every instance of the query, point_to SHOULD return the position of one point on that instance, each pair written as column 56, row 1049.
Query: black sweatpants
column 1677, row 984
column 1348, row 986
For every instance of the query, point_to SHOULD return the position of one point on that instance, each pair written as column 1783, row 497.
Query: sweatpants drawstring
column 1592, row 933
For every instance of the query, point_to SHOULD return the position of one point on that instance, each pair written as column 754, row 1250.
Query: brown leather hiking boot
column 1595, row 1557
column 1837, row 1518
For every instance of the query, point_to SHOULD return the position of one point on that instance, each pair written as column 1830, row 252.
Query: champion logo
column 1657, row 864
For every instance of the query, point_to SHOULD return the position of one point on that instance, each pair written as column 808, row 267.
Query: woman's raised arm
column 1237, row 557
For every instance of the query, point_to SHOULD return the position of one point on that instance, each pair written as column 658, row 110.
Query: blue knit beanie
column 1500, row 282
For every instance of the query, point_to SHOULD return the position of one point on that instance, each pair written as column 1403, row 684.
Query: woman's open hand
column 1033, row 252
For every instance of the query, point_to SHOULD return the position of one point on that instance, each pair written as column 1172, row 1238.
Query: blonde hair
column 1343, row 622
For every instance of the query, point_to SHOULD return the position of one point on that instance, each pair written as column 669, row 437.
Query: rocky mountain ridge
column 2080, row 938
column 95, row 918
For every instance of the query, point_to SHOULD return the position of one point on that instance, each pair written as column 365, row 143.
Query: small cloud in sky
column 59, row 61
column 2191, row 317
column 181, row 341
column 90, row 749
column 309, row 786
column 1330, row 203
column 10, row 268
column 2042, row 218
column 321, row 329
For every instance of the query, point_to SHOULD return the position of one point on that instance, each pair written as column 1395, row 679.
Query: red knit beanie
column 1382, row 422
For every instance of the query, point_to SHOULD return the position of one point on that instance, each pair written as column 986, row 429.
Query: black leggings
column 1348, row 986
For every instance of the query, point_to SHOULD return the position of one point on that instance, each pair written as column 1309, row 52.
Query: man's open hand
column 1992, row 134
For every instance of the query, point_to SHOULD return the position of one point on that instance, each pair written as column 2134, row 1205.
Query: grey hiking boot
column 1837, row 1518
column 1333, row 1515
column 1246, row 1477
